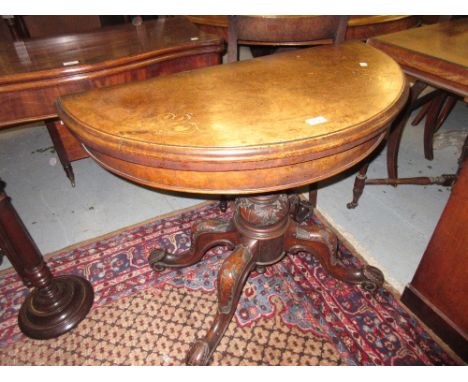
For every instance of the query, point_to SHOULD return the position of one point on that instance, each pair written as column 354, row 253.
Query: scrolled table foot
column 155, row 258
column 322, row 244
column 199, row 354
column 373, row 278
column 205, row 235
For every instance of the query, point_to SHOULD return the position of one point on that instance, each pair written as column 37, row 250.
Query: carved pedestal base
column 262, row 231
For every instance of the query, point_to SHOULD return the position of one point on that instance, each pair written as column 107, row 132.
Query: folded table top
column 268, row 112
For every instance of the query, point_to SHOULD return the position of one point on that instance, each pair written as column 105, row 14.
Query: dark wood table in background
column 33, row 73
column 437, row 55
column 254, row 128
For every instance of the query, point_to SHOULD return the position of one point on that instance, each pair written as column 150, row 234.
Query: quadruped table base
column 262, row 231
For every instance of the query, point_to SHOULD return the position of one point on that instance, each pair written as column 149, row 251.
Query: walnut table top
column 436, row 54
column 266, row 124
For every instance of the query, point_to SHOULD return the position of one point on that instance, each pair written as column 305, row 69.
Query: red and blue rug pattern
column 367, row 329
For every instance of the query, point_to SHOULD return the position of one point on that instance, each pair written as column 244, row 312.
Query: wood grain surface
column 436, row 54
column 307, row 114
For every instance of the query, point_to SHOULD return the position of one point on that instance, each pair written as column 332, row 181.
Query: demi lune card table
column 254, row 129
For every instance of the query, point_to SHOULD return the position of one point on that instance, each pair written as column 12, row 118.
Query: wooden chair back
column 284, row 31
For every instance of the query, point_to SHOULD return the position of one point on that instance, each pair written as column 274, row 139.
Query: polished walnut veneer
column 247, row 128
column 237, row 118
column 33, row 73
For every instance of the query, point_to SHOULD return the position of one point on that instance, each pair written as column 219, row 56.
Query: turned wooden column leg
column 60, row 149
column 56, row 304
column 322, row 243
column 397, row 130
column 359, row 183
column 7, row 249
column 205, row 235
column 231, row 279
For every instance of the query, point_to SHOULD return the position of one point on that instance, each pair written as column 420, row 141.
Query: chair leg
column 397, row 130
column 322, row 244
column 359, row 183
column 448, row 107
column 422, row 113
column 431, row 123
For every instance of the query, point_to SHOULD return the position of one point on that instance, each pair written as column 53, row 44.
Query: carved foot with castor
column 205, row 235
column 231, row 279
column 321, row 243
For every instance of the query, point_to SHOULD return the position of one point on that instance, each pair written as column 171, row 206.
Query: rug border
column 392, row 290
column 105, row 236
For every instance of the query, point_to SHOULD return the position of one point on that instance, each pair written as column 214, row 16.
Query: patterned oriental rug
column 294, row 314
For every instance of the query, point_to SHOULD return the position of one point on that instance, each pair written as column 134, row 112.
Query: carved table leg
column 57, row 304
column 205, row 235
column 322, row 243
column 262, row 231
column 231, row 279
column 359, row 183
column 60, row 149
